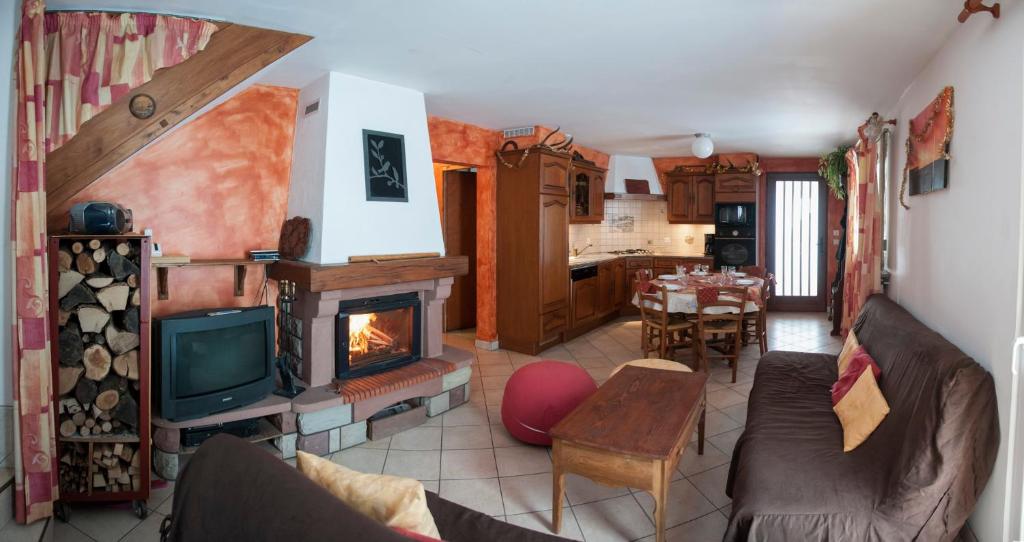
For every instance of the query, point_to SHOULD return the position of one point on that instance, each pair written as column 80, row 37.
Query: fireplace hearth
column 376, row 334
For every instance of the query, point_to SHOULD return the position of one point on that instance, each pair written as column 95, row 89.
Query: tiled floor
column 467, row 456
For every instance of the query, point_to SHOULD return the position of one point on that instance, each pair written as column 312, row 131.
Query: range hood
column 622, row 167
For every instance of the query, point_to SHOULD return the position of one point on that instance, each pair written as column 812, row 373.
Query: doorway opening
column 795, row 247
column 456, row 201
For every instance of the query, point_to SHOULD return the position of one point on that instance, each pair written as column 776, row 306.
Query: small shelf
column 240, row 265
column 112, row 439
column 266, row 432
column 270, row 405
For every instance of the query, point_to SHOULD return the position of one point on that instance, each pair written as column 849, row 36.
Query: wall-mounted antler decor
column 974, row 6
column 565, row 145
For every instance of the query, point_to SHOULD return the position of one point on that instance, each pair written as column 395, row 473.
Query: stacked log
column 111, row 467
column 98, row 347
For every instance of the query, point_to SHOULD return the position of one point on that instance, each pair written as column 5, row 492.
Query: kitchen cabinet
column 736, row 187
column 606, row 287
column 618, row 284
column 587, row 192
column 691, row 198
column 585, row 300
column 532, row 250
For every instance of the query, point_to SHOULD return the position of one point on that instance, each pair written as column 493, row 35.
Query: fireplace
column 375, row 334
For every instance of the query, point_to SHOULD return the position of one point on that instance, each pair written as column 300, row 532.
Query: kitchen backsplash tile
column 638, row 224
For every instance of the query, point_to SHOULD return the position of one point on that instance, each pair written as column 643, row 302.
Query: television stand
column 194, row 436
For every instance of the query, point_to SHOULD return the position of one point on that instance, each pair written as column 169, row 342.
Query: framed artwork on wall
column 384, row 162
column 927, row 167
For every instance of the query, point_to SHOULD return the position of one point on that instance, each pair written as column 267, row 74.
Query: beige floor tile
column 421, row 465
column 379, row 444
column 65, row 532
column 519, row 460
column 708, row 528
column 467, row 437
column 431, row 485
column 147, row 531
column 716, row 423
column 494, row 382
column 685, row 503
column 712, row 484
column 691, row 463
column 158, row 493
column 616, row 519
column 725, row 398
column 494, row 396
column 482, row 495
column 14, row 532
column 467, row 464
column 744, row 389
column 417, row 438
column 595, row 363
column 581, row 490
column 528, row 493
column 498, row 369
column 467, row 414
column 434, row 421
column 726, row 441
column 501, row 438
column 541, row 522
column 737, row 412
column 103, row 522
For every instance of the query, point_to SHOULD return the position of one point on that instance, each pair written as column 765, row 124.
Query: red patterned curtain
column 863, row 275
column 70, row 66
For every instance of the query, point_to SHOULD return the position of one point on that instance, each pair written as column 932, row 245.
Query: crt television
column 212, row 360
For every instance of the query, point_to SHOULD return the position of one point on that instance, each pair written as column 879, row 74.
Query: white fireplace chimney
column 328, row 181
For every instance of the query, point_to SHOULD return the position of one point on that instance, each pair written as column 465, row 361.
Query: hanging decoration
column 927, row 165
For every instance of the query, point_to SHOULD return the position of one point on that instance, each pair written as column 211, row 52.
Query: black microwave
column 735, row 215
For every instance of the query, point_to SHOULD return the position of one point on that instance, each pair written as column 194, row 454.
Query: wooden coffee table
column 631, row 433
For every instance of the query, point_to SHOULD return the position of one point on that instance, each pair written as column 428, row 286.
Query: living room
column 685, row 272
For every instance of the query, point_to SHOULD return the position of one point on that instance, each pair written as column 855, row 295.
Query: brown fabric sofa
column 917, row 477
column 232, row 490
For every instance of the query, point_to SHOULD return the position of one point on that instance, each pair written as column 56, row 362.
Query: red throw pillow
column 707, row 295
column 860, row 361
column 414, row 535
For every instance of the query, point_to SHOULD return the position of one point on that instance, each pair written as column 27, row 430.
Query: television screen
column 212, row 360
column 216, row 360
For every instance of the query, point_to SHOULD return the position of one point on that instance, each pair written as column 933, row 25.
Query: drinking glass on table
column 681, row 270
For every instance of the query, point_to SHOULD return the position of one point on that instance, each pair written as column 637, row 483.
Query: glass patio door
column 796, row 241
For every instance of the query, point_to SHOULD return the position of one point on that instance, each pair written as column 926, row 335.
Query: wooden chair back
column 654, row 306
column 728, row 298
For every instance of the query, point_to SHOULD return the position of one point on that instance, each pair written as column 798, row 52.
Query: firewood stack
column 98, row 345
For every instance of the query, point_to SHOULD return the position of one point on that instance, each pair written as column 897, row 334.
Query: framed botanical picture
column 927, row 166
column 384, row 161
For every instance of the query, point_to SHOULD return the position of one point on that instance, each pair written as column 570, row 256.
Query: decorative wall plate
column 142, row 106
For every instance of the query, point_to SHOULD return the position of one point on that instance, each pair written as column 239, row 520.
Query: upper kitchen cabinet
column 736, row 187
column 691, row 198
column 586, row 184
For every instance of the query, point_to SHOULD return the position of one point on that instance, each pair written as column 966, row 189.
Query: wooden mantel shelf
column 163, row 288
column 321, row 278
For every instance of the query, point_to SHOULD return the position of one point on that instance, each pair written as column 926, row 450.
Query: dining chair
column 658, row 329
column 720, row 325
column 753, row 270
column 755, row 322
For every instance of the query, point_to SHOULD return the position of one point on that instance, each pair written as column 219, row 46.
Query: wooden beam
column 320, row 278
column 234, row 53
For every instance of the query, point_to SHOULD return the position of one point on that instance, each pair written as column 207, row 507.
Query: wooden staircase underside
column 234, row 53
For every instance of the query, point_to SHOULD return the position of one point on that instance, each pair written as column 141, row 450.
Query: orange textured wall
column 214, row 188
column 456, row 142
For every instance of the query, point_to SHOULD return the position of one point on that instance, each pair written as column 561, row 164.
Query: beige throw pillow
column 846, row 354
column 391, row 500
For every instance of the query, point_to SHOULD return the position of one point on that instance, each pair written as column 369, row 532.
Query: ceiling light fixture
column 702, row 146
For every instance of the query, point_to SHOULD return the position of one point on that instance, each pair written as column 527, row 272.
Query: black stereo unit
column 194, row 436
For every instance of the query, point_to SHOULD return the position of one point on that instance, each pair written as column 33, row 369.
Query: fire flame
column 359, row 332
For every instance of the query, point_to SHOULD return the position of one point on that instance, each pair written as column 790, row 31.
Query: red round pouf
column 539, row 395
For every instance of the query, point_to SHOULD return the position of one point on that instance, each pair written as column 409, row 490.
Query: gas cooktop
column 631, row 251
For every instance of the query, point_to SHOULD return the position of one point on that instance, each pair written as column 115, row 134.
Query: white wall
column 622, row 167
column 348, row 225
column 955, row 254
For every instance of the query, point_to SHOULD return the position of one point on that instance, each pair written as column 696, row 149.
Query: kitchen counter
column 584, row 260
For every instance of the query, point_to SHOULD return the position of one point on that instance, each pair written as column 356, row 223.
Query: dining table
column 682, row 297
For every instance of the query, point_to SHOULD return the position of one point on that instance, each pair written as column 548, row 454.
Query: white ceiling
column 778, row 77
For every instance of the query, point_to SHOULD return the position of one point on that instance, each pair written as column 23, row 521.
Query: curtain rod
column 119, row 11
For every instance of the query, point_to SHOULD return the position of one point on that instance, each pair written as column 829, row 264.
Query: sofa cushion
column 857, row 401
column 391, row 500
column 846, row 354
